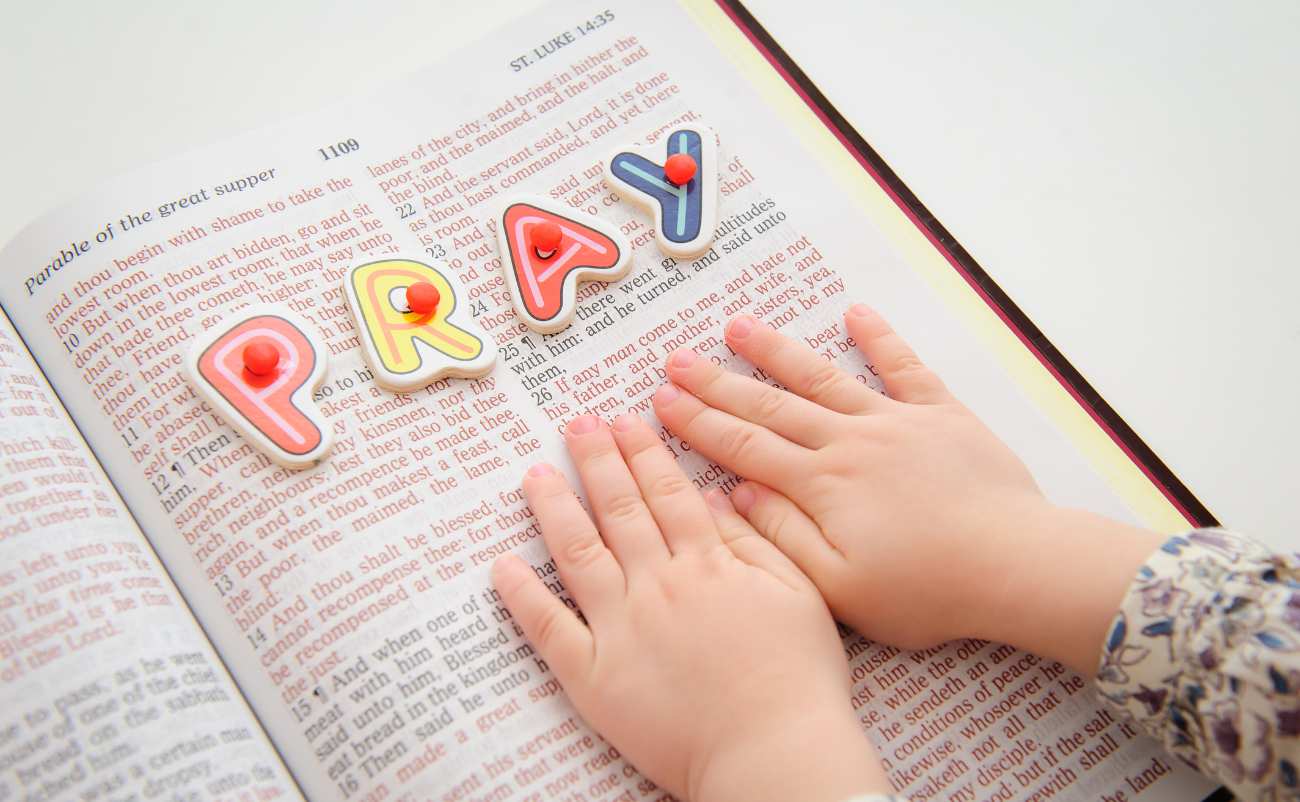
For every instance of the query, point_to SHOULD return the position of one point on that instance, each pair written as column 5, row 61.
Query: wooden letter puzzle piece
column 546, row 248
column 410, row 332
column 677, row 181
column 258, row 369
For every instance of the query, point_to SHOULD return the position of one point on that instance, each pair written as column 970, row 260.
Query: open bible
column 180, row 618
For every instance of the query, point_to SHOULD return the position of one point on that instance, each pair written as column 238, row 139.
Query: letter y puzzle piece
column 677, row 181
column 405, row 312
column 546, row 248
column 258, row 369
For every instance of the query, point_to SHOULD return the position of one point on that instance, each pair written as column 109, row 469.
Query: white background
column 1127, row 172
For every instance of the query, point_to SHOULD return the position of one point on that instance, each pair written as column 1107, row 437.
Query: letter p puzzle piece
column 258, row 369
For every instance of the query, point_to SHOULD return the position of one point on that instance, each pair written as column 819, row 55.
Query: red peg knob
column 261, row 357
column 546, row 237
column 422, row 297
column 680, row 168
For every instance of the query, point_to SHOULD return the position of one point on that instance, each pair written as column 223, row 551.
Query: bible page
column 108, row 686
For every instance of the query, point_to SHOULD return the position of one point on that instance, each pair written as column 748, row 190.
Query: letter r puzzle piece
column 412, row 338
column 685, row 213
column 546, row 248
column 258, row 369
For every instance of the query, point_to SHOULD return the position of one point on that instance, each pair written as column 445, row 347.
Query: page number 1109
column 338, row 149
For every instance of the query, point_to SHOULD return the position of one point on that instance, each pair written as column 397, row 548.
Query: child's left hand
column 708, row 659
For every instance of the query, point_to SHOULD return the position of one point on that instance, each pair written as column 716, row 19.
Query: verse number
column 437, row 251
column 160, row 483
column 405, row 210
column 339, row 149
column 256, row 637
column 301, row 710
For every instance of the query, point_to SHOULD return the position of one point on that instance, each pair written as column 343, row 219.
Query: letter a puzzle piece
column 410, row 349
column 546, row 248
column 258, row 369
column 677, row 180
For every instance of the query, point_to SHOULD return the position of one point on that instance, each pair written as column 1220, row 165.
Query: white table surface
column 1126, row 172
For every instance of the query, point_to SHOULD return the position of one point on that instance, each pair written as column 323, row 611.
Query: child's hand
column 707, row 659
column 916, row 523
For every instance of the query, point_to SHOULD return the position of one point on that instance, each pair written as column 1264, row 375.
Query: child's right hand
column 914, row 520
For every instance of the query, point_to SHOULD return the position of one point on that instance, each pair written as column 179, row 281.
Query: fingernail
column 742, row 498
column 584, row 424
column 859, row 310
column 682, row 358
column 625, row 422
column 717, row 500
column 541, row 469
column 508, row 564
column 740, row 327
column 666, row 394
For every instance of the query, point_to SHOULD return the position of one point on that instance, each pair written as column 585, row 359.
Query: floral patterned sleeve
column 1205, row 655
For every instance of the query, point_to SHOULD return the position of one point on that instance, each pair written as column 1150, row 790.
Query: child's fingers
column 905, row 376
column 624, row 519
column 800, row 368
column 589, row 570
column 780, row 521
column 748, row 545
column 796, row 419
column 674, row 502
column 740, row 446
column 557, row 634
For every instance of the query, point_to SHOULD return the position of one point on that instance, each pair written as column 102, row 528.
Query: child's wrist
column 807, row 757
column 1064, row 576
column 999, row 547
